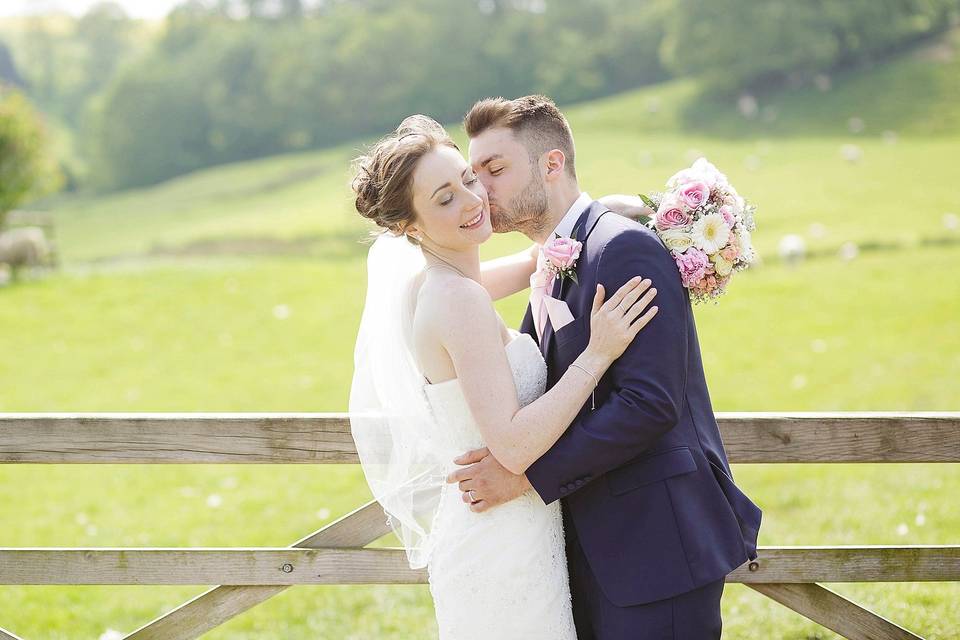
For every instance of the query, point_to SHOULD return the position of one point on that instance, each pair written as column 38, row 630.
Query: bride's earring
column 416, row 235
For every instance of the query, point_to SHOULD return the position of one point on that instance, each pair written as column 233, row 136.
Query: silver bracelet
column 596, row 383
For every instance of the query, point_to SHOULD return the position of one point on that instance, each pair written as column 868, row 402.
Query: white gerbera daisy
column 710, row 233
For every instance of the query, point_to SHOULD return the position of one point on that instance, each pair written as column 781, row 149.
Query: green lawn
column 121, row 329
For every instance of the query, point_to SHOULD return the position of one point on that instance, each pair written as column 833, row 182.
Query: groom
column 652, row 518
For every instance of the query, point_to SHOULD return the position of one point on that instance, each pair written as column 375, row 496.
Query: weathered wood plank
column 220, row 604
column 325, row 438
column 232, row 438
column 199, row 566
column 6, row 635
column 204, row 613
column 355, row 530
column 874, row 563
column 841, row 437
column 834, row 612
column 266, row 565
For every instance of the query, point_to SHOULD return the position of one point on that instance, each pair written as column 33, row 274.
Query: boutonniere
column 561, row 254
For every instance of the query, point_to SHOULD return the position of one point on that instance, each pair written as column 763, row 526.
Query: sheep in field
column 24, row 247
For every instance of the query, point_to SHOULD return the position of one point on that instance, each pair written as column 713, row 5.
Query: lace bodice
column 500, row 573
column 460, row 432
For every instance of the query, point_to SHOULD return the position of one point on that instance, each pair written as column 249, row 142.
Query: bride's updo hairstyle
column 383, row 178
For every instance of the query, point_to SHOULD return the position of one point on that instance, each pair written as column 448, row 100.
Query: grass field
column 169, row 301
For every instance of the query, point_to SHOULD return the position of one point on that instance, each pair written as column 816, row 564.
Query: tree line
column 226, row 80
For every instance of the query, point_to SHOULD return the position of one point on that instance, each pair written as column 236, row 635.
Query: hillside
column 916, row 93
column 908, row 109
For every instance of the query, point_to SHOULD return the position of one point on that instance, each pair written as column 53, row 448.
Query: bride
column 437, row 372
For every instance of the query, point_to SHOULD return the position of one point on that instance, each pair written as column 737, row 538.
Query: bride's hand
column 615, row 323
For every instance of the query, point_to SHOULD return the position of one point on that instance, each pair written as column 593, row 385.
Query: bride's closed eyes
column 468, row 179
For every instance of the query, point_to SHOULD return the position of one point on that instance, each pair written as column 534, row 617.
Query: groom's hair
column 534, row 120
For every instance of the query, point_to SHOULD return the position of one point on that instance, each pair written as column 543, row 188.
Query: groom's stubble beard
column 527, row 211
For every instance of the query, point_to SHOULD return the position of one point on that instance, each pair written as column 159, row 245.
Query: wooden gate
column 336, row 554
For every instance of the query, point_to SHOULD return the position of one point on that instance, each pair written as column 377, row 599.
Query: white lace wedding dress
column 501, row 574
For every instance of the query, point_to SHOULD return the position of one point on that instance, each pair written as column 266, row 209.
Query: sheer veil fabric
column 390, row 415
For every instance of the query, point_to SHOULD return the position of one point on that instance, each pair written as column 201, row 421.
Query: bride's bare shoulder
column 447, row 299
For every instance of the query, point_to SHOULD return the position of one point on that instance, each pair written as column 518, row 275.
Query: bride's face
column 449, row 201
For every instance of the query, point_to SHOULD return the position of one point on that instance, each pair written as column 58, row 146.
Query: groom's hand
column 485, row 483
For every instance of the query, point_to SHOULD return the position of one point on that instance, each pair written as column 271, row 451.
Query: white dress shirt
column 565, row 226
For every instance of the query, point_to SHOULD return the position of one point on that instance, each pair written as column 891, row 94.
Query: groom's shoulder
column 615, row 232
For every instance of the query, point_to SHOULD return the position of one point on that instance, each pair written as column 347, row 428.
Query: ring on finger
column 473, row 496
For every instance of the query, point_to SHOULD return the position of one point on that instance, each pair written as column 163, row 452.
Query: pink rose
column 727, row 212
column 671, row 215
column 693, row 194
column 729, row 254
column 693, row 266
column 562, row 252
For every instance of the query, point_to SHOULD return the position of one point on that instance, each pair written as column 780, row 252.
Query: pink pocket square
column 558, row 311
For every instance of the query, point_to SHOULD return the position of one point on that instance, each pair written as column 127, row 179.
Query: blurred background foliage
column 217, row 82
column 26, row 168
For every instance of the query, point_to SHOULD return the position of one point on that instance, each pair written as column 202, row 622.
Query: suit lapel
column 526, row 325
column 561, row 290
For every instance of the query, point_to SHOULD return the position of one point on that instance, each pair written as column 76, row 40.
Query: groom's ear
column 556, row 162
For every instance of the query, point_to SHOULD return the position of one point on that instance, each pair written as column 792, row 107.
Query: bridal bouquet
column 706, row 225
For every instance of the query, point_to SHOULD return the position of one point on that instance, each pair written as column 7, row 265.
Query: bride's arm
column 467, row 326
column 628, row 206
column 505, row 276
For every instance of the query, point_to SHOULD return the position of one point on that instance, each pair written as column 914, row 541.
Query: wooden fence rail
column 336, row 555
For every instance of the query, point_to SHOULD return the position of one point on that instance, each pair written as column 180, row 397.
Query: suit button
column 563, row 489
column 579, row 483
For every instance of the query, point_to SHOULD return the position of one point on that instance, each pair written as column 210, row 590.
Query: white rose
column 677, row 240
column 721, row 265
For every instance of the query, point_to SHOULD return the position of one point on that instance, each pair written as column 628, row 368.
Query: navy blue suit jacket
column 644, row 476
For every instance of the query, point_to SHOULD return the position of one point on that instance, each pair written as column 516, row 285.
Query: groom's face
column 515, row 188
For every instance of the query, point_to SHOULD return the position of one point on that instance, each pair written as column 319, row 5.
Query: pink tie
column 540, row 281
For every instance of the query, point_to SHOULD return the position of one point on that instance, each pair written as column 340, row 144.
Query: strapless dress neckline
column 513, row 341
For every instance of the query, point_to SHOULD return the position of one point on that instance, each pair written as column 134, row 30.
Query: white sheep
column 792, row 249
column 24, row 247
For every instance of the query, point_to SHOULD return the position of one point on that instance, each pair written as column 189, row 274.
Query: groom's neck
column 559, row 201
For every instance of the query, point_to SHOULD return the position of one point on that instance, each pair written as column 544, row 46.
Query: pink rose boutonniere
column 561, row 254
